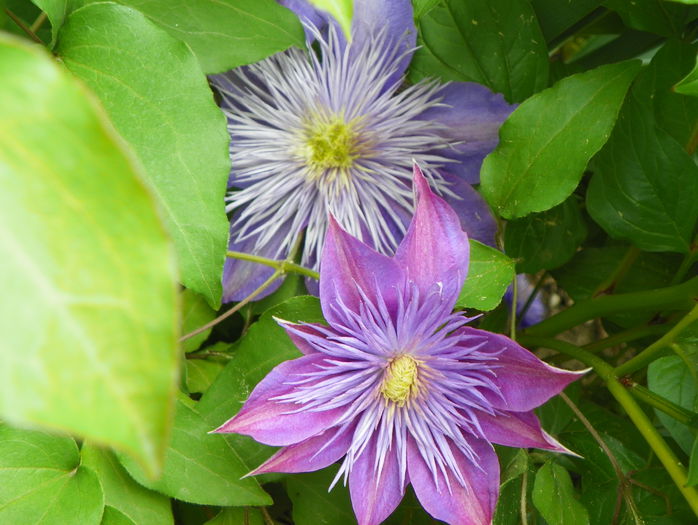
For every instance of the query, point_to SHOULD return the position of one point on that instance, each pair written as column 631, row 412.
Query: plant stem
column 532, row 296
column 512, row 315
column 38, row 22
column 23, row 26
column 679, row 413
column 631, row 334
column 235, row 308
column 284, row 266
column 678, row 296
column 667, row 457
column 687, row 262
column 653, row 351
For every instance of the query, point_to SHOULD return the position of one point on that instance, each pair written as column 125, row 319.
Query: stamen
column 401, row 377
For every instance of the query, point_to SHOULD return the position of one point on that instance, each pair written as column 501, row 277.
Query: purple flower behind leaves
column 331, row 130
column 397, row 384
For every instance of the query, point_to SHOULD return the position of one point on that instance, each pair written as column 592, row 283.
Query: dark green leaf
column 202, row 468
column 645, row 186
column 201, row 373
column 91, row 287
column 555, row 499
column 154, row 92
column 489, row 274
column 43, row 483
column 689, row 84
column 314, row 505
column 546, row 143
column 238, row 516
column 545, row 240
column 226, row 33
column 693, row 464
column 121, row 493
column 654, row 16
column 555, row 19
column 496, row 43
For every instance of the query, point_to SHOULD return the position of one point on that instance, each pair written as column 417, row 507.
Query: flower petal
column 435, row 250
column 347, row 266
column 311, row 454
column 472, row 115
column 476, row 219
column 277, row 423
column 375, row 496
column 518, row 429
column 524, row 381
column 472, row 504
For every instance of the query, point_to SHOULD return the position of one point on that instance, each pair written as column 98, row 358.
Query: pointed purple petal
column 310, row 455
column 518, row 429
column 301, row 334
column 348, row 265
column 435, row 249
column 524, row 381
column 470, row 505
column 472, row 116
column 276, row 423
column 374, row 497
column 396, row 19
column 476, row 219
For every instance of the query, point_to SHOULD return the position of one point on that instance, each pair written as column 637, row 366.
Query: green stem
column 687, row 417
column 671, row 463
column 667, row 457
column 631, row 334
column 24, row 27
column 235, row 308
column 687, row 262
column 283, row 266
column 678, row 296
column 532, row 296
column 38, row 22
column 653, row 351
column 512, row 315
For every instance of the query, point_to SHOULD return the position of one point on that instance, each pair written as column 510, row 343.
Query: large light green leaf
column 497, row 43
column 226, row 33
column 546, row 143
column 154, row 92
column 89, row 333
column 554, row 497
column 341, row 10
column 43, row 483
column 136, row 503
column 200, row 467
column 489, row 274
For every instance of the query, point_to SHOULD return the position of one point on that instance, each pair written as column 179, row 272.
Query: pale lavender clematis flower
column 397, row 385
column 332, row 131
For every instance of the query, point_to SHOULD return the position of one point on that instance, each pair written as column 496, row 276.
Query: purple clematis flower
column 331, row 130
column 396, row 384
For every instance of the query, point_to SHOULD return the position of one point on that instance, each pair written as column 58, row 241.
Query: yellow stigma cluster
column 331, row 145
column 400, row 383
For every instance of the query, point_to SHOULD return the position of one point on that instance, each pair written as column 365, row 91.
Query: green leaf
column 159, row 101
column 195, row 313
column 55, row 11
column 43, row 483
column 545, row 240
column 91, row 345
column 314, row 505
column 654, row 16
column 201, row 373
column 554, row 20
column 546, row 143
column 496, row 43
column 236, row 516
column 693, row 465
column 645, row 186
column 201, row 468
column 689, row 84
column 675, row 378
column 341, row 10
column 554, row 497
column 127, row 499
column 489, row 275
column 226, row 33
column 112, row 516
column 263, row 347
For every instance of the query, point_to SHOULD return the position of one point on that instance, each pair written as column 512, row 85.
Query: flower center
column 331, row 144
column 400, row 382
